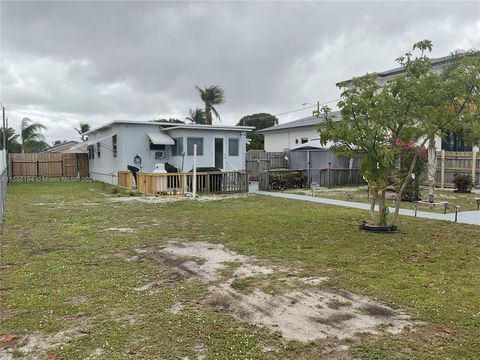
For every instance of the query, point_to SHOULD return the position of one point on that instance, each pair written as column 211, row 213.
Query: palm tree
column 84, row 127
column 12, row 145
column 31, row 136
column 212, row 95
column 196, row 116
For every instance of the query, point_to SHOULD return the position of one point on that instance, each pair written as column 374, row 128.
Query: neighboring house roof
column 308, row 121
column 171, row 126
column 80, row 148
column 61, row 147
column 400, row 70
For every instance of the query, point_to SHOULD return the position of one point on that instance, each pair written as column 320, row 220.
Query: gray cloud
column 98, row 61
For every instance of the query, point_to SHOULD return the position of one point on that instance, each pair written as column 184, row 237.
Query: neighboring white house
column 114, row 146
column 294, row 133
column 451, row 141
column 286, row 136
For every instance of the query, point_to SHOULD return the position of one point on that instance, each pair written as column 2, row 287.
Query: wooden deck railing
column 151, row 184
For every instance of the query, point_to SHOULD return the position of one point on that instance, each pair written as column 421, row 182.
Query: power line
column 296, row 110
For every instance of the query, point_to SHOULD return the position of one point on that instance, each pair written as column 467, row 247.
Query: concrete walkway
column 465, row 217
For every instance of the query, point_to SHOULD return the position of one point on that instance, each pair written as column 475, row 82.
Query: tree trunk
column 402, row 190
column 432, row 168
column 382, row 210
column 208, row 114
column 372, row 206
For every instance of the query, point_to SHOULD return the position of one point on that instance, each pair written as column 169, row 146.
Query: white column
column 194, row 180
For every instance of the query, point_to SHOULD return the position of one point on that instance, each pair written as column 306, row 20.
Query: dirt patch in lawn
column 36, row 346
column 204, row 261
column 122, row 230
column 305, row 314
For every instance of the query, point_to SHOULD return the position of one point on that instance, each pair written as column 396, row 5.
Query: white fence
column 3, row 182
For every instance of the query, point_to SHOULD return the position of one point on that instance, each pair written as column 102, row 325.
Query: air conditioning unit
column 159, row 155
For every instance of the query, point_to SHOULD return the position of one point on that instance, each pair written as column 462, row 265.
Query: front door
column 219, row 153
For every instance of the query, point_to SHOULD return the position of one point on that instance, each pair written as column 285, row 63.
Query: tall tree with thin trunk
column 82, row 129
column 377, row 123
column 31, row 136
column 212, row 95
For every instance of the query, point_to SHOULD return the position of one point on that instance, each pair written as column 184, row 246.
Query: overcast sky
column 96, row 61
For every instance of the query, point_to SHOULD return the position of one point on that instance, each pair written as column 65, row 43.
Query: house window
column 195, row 141
column 159, row 155
column 177, row 147
column 98, row 150
column 296, row 141
column 304, row 140
column 233, row 147
column 91, row 152
column 114, row 145
column 454, row 141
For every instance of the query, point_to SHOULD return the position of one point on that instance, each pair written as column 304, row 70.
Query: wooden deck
column 153, row 184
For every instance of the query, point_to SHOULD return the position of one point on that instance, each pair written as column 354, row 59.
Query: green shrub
column 463, row 183
column 287, row 180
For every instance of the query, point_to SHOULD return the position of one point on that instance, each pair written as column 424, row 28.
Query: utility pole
column 317, row 111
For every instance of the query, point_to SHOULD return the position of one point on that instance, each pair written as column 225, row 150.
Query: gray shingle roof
column 308, row 121
column 399, row 70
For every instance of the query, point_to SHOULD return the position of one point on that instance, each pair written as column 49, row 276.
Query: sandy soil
column 300, row 314
column 36, row 346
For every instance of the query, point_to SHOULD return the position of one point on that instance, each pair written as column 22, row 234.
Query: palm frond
column 215, row 112
column 30, row 133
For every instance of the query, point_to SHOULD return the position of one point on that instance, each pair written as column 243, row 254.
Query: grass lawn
column 70, row 277
column 359, row 194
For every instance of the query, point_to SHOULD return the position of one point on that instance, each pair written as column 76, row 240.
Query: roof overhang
column 159, row 138
column 212, row 127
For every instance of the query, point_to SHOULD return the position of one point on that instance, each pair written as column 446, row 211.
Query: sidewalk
column 465, row 217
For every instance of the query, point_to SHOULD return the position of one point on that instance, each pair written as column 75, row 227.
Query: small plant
column 463, row 183
column 114, row 189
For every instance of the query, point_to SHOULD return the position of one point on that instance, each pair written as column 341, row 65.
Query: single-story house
column 284, row 137
column 116, row 145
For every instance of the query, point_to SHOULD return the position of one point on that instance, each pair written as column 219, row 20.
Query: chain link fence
column 3, row 182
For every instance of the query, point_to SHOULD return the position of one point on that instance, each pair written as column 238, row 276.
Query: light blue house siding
column 224, row 146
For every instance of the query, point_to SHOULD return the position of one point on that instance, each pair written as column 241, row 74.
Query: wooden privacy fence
column 328, row 177
column 450, row 163
column 151, row 184
column 48, row 165
column 258, row 161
